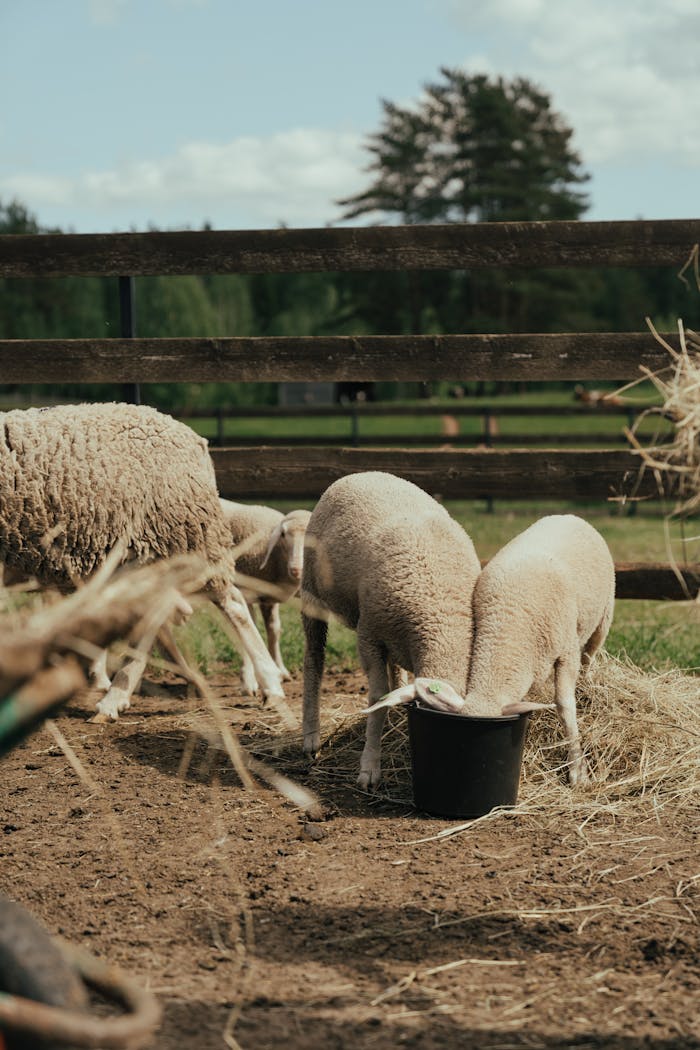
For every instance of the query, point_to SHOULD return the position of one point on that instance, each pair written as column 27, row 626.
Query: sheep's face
column 288, row 538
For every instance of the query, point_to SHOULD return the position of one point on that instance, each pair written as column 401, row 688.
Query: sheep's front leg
column 233, row 605
column 373, row 660
column 315, row 634
column 566, row 671
column 273, row 628
column 117, row 699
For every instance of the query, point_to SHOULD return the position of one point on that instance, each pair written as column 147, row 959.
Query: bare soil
column 258, row 928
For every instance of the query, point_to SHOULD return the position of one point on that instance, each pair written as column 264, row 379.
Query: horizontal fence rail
column 648, row 580
column 460, row 246
column 372, row 409
column 454, row 474
column 598, row 356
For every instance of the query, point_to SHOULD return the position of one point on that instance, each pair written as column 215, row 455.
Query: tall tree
column 473, row 149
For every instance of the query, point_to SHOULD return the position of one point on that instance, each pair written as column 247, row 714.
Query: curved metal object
column 83, row 1030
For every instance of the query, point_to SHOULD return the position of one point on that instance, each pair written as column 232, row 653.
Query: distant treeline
column 328, row 303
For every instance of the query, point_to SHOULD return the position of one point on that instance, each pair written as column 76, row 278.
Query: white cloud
column 624, row 75
column 106, row 12
column 293, row 177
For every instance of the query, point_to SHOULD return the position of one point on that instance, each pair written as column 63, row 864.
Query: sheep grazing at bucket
column 543, row 603
column 389, row 561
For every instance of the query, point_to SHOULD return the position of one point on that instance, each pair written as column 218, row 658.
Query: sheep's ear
column 521, row 707
column 274, row 539
column 440, row 695
column 431, row 691
column 403, row 695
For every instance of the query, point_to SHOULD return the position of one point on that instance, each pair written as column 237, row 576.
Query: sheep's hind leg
column 373, row 660
column 315, row 634
column 566, row 672
column 273, row 628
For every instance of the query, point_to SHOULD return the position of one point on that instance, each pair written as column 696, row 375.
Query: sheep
column 544, row 602
column 78, row 481
column 389, row 561
column 269, row 547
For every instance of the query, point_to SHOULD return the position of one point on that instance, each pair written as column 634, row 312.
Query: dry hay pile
column 640, row 731
column 675, row 463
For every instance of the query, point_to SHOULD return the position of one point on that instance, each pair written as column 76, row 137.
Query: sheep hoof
column 578, row 774
column 111, row 706
column 270, row 695
column 312, row 744
column 285, row 675
column 317, row 812
column 101, row 718
column 249, row 687
column 369, row 778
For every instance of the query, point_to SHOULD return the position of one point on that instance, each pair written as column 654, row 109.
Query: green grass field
column 372, row 427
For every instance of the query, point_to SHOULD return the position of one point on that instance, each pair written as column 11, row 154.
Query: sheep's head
column 432, row 692
column 288, row 535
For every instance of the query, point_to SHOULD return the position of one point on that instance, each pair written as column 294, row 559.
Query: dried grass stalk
column 675, row 462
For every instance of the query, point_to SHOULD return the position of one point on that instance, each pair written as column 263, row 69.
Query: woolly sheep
column 391, row 563
column 76, row 481
column 269, row 548
column 544, row 603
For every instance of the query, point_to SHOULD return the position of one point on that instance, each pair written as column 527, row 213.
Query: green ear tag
column 434, row 687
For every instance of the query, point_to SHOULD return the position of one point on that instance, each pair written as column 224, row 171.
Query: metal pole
column 127, row 314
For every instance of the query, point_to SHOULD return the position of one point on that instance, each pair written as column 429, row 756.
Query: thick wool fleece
column 77, row 479
column 387, row 559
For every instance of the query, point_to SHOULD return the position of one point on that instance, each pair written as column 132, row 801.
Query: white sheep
column 78, row 481
column 543, row 603
column 390, row 562
column 269, row 550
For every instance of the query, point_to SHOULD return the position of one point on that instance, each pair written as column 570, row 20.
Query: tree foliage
column 473, row 149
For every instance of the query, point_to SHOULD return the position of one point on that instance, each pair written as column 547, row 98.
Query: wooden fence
column 293, row 472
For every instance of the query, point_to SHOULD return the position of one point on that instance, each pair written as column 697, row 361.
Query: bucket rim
column 432, row 711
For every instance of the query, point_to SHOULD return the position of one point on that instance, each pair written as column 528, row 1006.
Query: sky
column 246, row 114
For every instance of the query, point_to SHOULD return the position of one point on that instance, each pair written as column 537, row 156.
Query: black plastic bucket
column 462, row 766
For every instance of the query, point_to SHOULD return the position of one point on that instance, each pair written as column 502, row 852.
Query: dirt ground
column 259, row 929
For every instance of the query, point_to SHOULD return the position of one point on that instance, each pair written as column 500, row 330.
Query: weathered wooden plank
column 427, row 440
column 654, row 581
column 250, row 473
column 427, row 408
column 584, row 356
column 665, row 242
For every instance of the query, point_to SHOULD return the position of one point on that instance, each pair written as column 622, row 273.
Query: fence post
column 354, row 424
column 488, row 443
column 127, row 315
